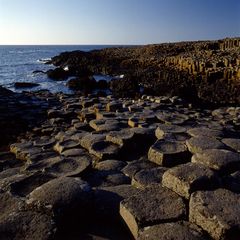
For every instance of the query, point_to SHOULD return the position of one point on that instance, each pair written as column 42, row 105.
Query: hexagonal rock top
column 169, row 231
column 204, row 131
column 217, row 212
column 200, row 143
column 63, row 196
column 187, row 178
column 232, row 143
column 218, row 159
column 155, row 204
column 104, row 150
column 168, row 153
column 147, row 177
column 166, row 129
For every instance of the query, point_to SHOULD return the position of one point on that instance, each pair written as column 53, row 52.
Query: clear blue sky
column 116, row 21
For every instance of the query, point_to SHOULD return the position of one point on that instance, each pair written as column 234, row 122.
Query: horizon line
column 112, row 44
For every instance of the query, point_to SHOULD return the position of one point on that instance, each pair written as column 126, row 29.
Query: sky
column 116, row 21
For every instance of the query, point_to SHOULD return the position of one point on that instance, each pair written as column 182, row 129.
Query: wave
column 44, row 60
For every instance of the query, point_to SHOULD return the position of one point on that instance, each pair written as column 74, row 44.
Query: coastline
column 126, row 165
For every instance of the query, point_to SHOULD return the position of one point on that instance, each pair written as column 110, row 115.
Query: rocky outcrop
column 86, row 164
column 208, row 71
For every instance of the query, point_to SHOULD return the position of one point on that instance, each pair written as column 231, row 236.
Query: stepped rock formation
column 205, row 70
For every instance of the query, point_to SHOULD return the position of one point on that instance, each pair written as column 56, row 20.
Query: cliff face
column 205, row 70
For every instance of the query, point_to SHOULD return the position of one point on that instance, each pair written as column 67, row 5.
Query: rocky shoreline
column 100, row 167
column 206, row 72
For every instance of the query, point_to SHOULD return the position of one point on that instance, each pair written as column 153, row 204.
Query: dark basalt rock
column 57, row 74
column 25, row 85
column 125, row 87
column 82, row 83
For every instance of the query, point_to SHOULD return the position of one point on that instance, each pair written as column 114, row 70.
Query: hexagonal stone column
column 168, row 231
column 152, row 205
column 187, row 178
column 168, row 153
column 217, row 212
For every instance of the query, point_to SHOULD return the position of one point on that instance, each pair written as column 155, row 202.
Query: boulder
column 57, row 74
column 25, row 85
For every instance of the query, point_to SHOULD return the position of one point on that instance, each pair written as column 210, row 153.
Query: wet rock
column 188, row 178
column 218, row 159
column 84, row 83
column 147, row 177
column 167, row 231
column 25, row 85
column 198, row 144
column 168, row 153
column 58, row 74
column 233, row 143
column 217, row 212
column 151, row 206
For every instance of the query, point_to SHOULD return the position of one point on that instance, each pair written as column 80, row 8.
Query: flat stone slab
column 105, row 124
column 24, row 186
column 218, row 159
column 168, row 153
column 88, row 140
column 200, row 143
column 66, row 144
column 104, row 150
column 233, row 143
column 74, row 152
column 204, row 131
column 72, row 166
column 165, row 129
column 217, row 212
column 147, row 177
column 63, row 196
column 110, row 165
column 168, row 231
column 151, row 206
column 121, row 138
column 188, row 178
column 135, row 166
column 44, row 141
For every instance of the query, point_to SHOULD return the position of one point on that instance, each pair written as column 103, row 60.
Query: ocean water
column 17, row 64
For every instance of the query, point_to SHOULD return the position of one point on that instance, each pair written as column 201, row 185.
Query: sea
column 17, row 64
